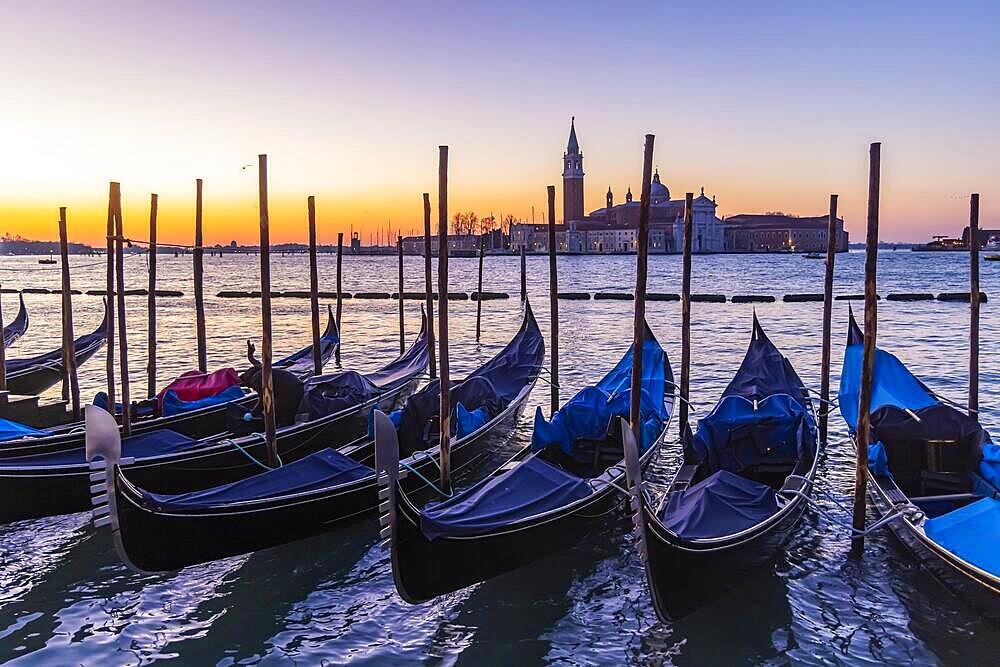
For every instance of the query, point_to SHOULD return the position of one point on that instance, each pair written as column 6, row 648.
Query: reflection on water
column 65, row 598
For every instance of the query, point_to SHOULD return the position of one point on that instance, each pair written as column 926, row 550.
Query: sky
column 768, row 106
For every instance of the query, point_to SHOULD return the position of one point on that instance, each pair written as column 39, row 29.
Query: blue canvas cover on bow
column 493, row 386
column 324, row 469
column 531, row 488
column 721, row 504
column 10, row 430
column 971, row 533
column 588, row 414
column 153, row 443
column 172, row 405
column 329, row 394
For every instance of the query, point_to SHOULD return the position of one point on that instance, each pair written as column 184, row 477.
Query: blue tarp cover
column 153, row 443
column 12, row 431
column 989, row 466
column 878, row 460
column 529, row 489
column 469, row 421
column 971, row 533
column 324, row 469
column 172, row 405
column 892, row 385
column 721, row 504
column 589, row 412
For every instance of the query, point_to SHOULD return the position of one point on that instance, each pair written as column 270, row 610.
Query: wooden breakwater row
column 962, row 297
column 90, row 292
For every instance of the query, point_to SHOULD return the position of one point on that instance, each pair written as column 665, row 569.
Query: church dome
column 658, row 192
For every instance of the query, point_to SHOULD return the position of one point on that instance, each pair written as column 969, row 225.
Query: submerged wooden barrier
column 614, row 296
column 662, row 296
column 962, row 297
column 853, row 297
column 752, row 298
column 488, row 296
column 574, row 296
column 802, row 298
column 910, row 296
column 372, row 295
column 708, row 298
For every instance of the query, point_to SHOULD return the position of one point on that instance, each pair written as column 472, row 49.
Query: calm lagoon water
column 66, row 599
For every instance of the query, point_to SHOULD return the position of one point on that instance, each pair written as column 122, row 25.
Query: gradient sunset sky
column 769, row 106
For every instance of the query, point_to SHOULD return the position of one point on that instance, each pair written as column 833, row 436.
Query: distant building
column 773, row 232
column 987, row 237
column 458, row 244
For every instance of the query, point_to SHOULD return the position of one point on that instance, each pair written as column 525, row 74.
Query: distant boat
column 47, row 260
column 992, row 258
column 813, row 255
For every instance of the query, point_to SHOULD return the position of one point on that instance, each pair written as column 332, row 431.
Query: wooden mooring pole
column 70, row 379
column 114, row 196
column 198, row 256
column 428, row 286
column 317, row 356
column 402, row 330
column 686, row 313
column 824, row 387
column 868, row 360
column 340, row 294
column 122, row 329
column 639, row 318
column 445, row 382
column 479, row 299
column 524, row 275
column 3, row 351
column 553, row 306
column 151, row 302
column 266, row 381
column 974, row 305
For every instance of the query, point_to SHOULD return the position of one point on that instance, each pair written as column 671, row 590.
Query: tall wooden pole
column 3, row 352
column 524, row 275
column 868, row 360
column 266, row 381
column 199, row 282
column 340, row 294
column 639, row 320
column 314, row 288
column 974, row 305
column 831, row 255
column 151, row 302
column 68, row 347
column 445, row 382
column 114, row 197
column 553, row 304
column 402, row 331
column 122, row 337
column 479, row 300
column 428, row 288
column 686, row 312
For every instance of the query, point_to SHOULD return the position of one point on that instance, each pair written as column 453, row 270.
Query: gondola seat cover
column 172, row 404
column 529, row 489
column 153, row 443
column 329, row 394
column 722, row 504
column 469, row 421
column 588, row 414
column 324, row 469
column 970, row 532
column 11, row 430
column 195, row 385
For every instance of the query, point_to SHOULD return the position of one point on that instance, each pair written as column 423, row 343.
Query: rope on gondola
column 230, row 441
column 544, row 379
column 901, row 510
column 420, row 475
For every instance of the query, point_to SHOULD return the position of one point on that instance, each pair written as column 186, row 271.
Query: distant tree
column 487, row 224
column 505, row 224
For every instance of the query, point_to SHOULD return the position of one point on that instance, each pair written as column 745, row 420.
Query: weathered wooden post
column 479, row 294
column 314, row 288
column 3, row 352
column 402, row 331
column 524, row 275
column 868, row 360
column 151, row 302
column 553, row 304
column 266, row 381
column 428, row 289
column 340, row 294
column 114, row 196
column 122, row 330
column 824, row 387
column 68, row 348
column 974, row 305
column 639, row 319
column 198, row 256
column 686, row 313
column 445, row 381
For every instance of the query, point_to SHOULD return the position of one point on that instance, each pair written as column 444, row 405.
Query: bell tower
column 572, row 177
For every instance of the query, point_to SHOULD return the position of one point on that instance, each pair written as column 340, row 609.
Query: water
column 66, row 599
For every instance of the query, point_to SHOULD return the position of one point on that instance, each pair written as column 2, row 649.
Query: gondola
column 541, row 501
column 935, row 469
column 33, row 375
column 158, row 532
column 740, row 489
column 199, row 422
column 166, row 461
column 18, row 326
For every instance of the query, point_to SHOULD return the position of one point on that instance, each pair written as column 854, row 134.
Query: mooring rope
column 421, row 476
column 230, row 441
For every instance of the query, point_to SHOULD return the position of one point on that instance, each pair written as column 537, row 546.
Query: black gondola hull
column 684, row 576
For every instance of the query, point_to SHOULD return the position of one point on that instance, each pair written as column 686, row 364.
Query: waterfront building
column 777, row 232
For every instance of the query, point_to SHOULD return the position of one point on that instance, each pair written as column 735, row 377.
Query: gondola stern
column 386, row 477
column 634, row 484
